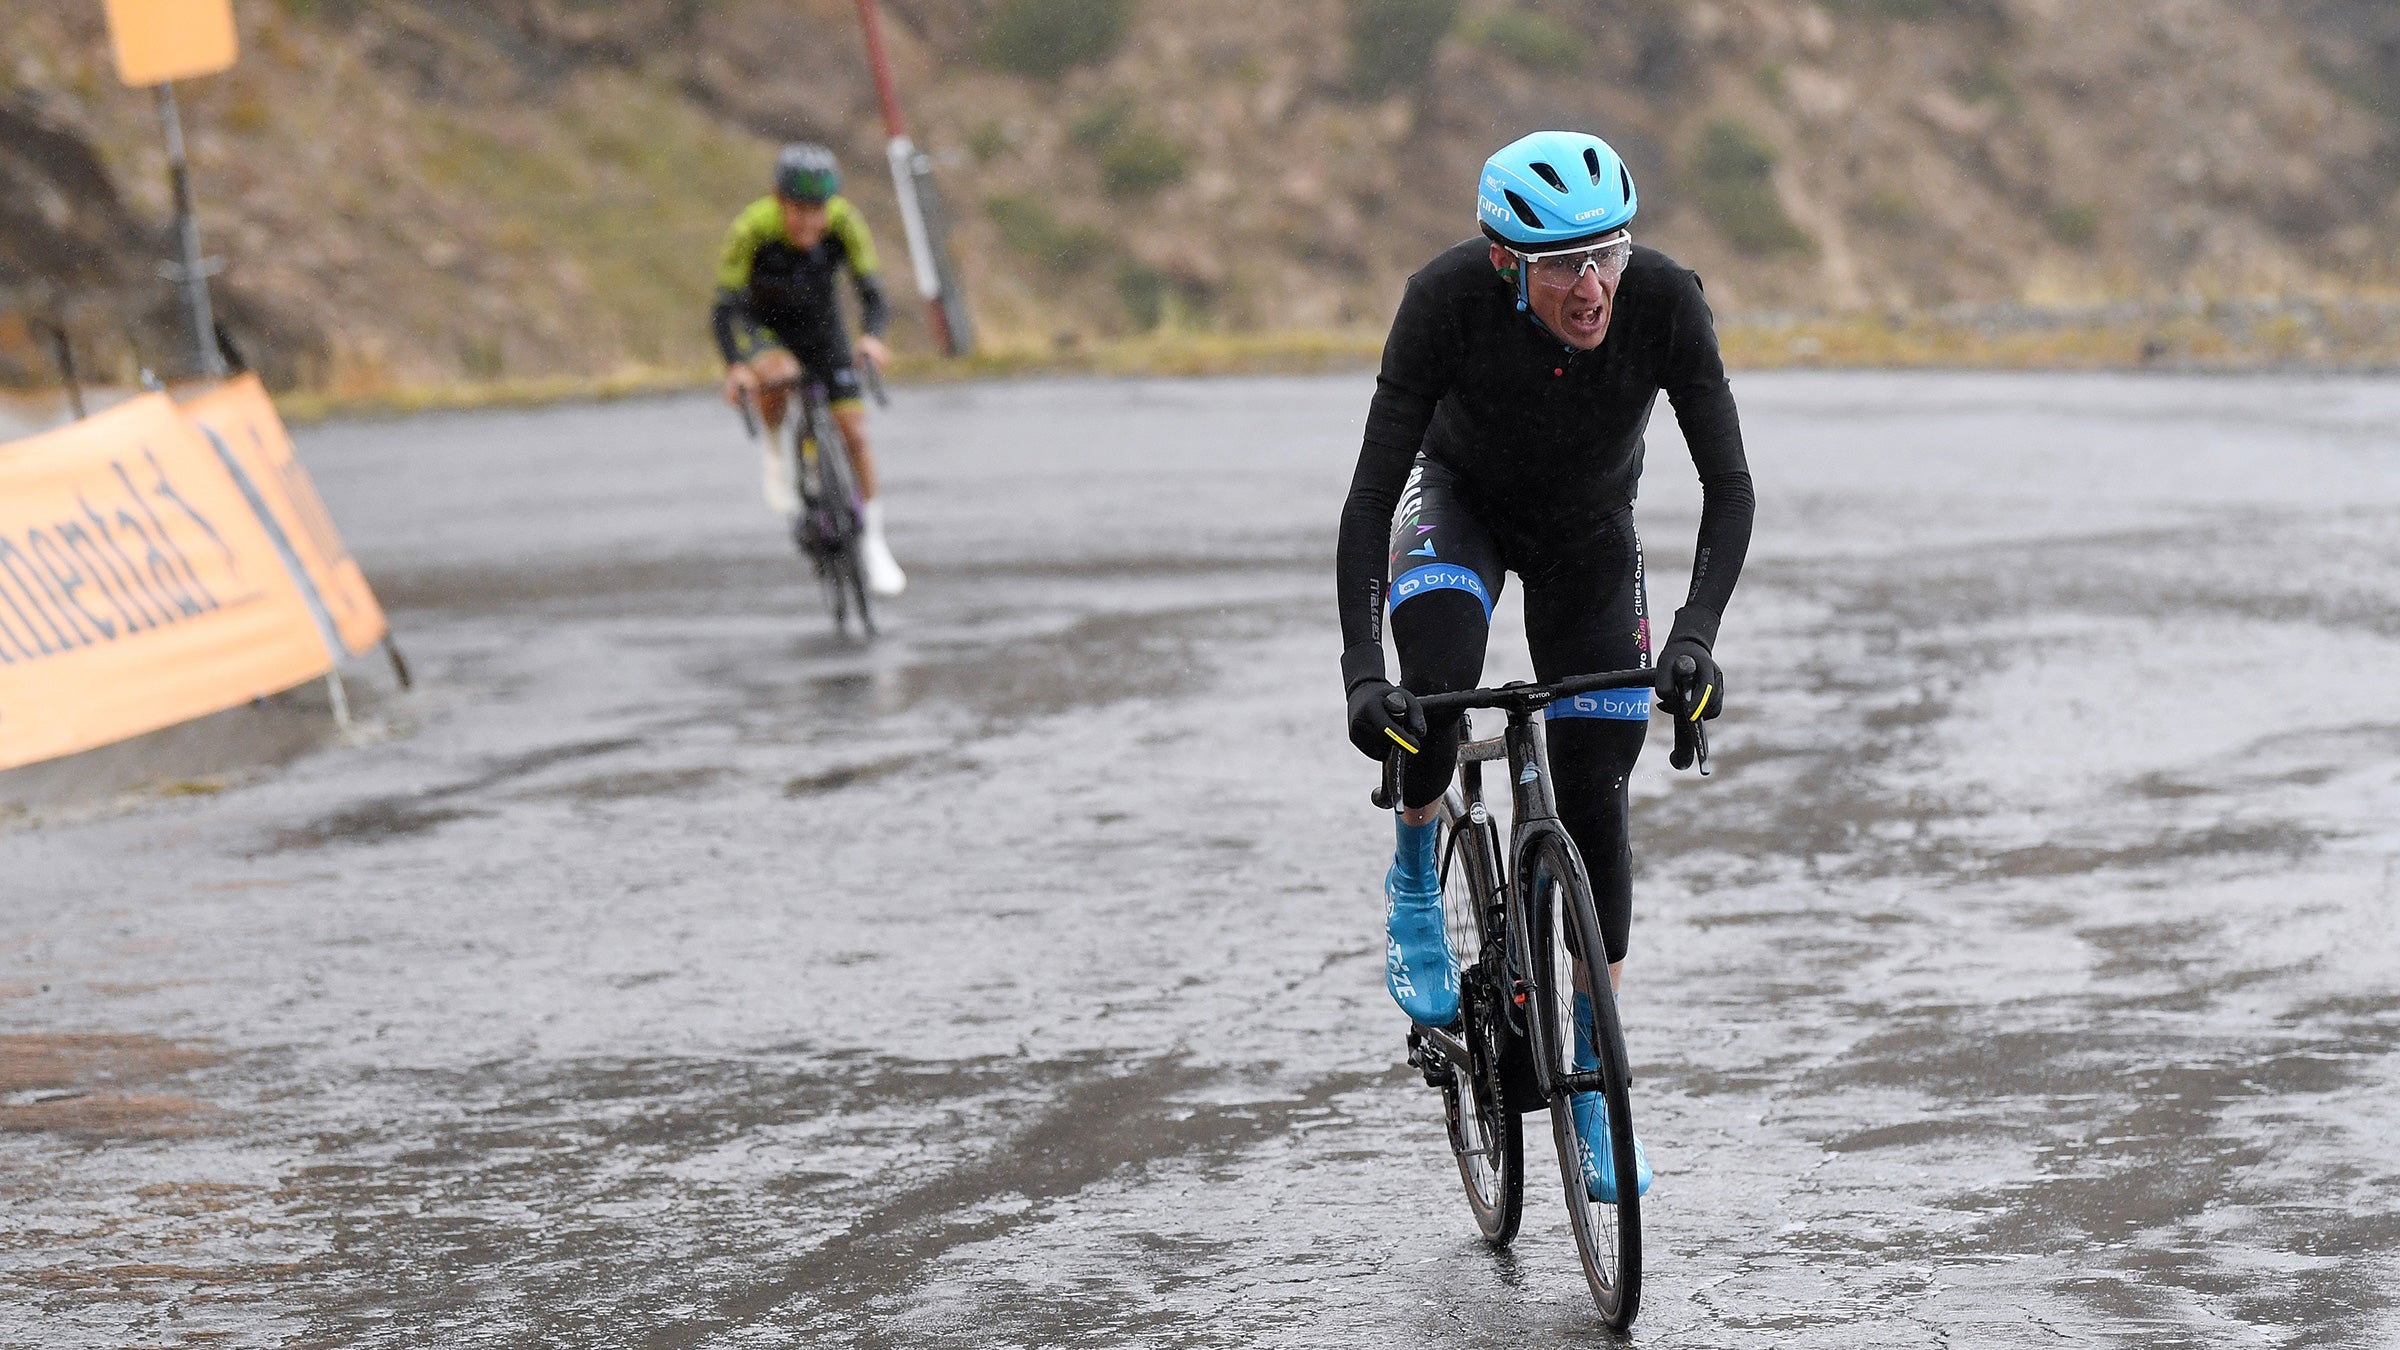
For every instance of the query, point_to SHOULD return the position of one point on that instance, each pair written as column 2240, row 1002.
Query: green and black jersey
column 771, row 292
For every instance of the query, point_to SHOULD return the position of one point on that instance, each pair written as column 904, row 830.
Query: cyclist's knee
column 1591, row 767
column 1425, row 776
column 774, row 364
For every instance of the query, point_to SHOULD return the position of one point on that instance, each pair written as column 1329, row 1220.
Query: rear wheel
column 1608, row 1234
column 1485, row 1134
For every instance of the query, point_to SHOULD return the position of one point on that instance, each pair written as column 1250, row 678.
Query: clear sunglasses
column 1563, row 269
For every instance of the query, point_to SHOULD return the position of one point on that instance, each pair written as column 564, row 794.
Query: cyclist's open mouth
column 1585, row 324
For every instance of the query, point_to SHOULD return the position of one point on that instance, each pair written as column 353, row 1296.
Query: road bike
column 1521, row 921
column 821, row 498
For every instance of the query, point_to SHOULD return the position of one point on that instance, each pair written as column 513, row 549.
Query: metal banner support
column 191, row 271
column 63, row 347
column 920, row 207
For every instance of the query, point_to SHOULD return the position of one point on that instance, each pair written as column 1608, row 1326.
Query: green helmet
column 807, row 172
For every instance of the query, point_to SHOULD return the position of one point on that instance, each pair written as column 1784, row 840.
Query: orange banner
column 137, row 587
column 241, row 419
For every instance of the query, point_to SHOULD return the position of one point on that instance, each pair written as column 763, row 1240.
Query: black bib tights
column 1585, row 611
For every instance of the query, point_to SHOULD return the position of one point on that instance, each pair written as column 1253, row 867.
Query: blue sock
column 1413, row 863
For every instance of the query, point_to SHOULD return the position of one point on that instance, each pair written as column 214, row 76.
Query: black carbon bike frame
column 1511, row 991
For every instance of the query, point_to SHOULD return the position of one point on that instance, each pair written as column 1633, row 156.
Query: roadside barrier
column 160, row 564
column 240, row 422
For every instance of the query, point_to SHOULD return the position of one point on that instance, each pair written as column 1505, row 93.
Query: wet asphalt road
column 665, row 972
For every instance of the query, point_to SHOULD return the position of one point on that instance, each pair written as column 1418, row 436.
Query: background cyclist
column 776, row 312
column 1506, row 435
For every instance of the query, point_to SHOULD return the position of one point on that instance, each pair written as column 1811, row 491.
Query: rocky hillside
column 422, row 190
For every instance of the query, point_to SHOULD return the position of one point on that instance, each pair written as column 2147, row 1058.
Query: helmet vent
column 1624, row 181
column 1524, row 212
column 1550, row 176
column 1591, row 162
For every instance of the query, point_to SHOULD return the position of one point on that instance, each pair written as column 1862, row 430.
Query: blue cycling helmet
column 1554, row 190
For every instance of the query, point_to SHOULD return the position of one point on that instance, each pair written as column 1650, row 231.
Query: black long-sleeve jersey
column 1545, row 440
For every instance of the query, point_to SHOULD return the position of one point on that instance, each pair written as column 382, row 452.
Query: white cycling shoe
column 884, row 577
column 775, row 479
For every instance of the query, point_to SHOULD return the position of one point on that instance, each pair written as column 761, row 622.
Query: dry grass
column 999, row 356
column 2350, row 334
column 1163, row 352
column 401, row 400
column 2291, row 333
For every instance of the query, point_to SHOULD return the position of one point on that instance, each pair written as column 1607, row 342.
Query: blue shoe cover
column 1591, row 1123
column 1418, row 968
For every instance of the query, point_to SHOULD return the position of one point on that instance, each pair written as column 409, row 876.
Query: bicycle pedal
column 1434, row 1068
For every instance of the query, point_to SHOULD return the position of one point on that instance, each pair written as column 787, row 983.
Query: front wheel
column 1608, row 1233
column 1485, row 1133
column 841, row 488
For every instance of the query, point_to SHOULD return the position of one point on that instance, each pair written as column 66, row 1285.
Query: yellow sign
column 161, row 40
column 138, row 587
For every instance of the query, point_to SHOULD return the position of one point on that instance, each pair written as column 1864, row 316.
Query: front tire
column 1608, row 1234
column 841, row 490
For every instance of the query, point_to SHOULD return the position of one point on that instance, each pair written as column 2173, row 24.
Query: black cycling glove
column 1695, row 628
column 1375, row 728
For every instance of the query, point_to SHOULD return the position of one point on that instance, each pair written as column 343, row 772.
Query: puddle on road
column 694, row 584
column 847, row 775
column 1090, row 661
column 386, row 818
column 2272, row 841
column 375, row 822
column 807, row 1189
column 1098, row 660
column 634, row 784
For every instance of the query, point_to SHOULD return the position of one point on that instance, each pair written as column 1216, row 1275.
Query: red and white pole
column 908, row 170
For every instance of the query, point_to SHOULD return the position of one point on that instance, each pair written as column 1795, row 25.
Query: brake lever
column 1691, row 742
column 1691, row 745
column 1387, row 797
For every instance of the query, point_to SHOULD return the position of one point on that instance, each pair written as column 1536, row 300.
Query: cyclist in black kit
column 1506, row 435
